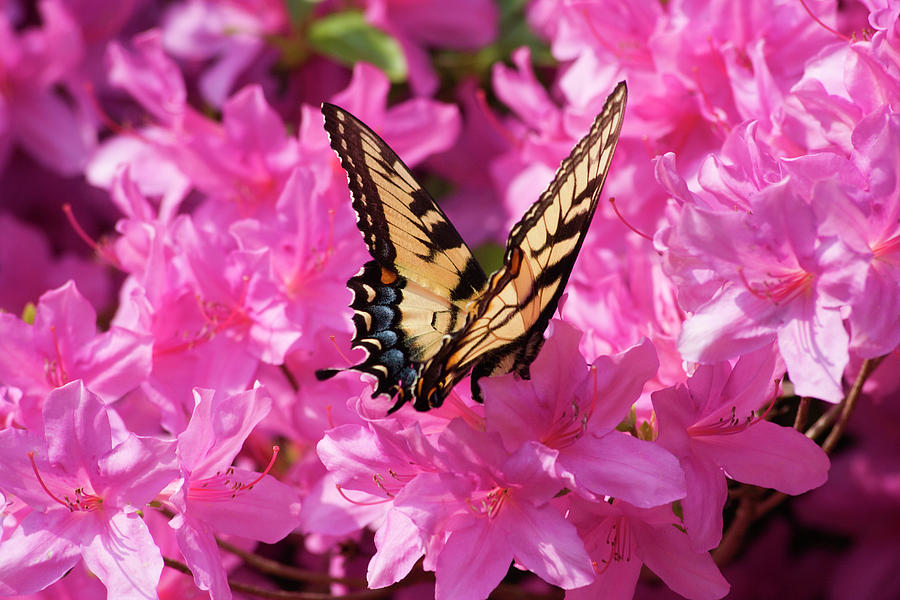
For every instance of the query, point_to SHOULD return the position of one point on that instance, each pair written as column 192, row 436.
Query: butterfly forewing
column 506, row 330
column 423, row 278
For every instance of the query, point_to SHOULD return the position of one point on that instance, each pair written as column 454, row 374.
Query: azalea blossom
column 621, row 538
column 84, row 489
column 217, row 498
column 711, row 425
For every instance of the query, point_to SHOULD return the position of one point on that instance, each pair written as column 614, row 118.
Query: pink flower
column 710, row 425
column 85, row 490
column 865, row 215
column 414, row 129
column 573, row 410
column 488, row 508
column 772, row 269
column 243, row 162
column 621, row 538
column 230, row 36
column 42, row 108
column 212, row 310
column 63, row 345
column 217, row 498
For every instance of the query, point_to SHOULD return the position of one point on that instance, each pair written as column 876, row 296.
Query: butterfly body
column 424, row 310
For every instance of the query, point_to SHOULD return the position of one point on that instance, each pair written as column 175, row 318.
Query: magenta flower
column 42, row 107
column 865, row 215
column 228, row 36
column 711, row 426
column 85, row 490
column 573, row 409
column 63, row 345
column 217, row 498
column 487, row 509
column 770, row 269
column 621, row 538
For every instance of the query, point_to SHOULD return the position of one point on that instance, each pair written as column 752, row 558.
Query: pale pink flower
column 488, row 508
column 227, row 36
column 573, row 409
column 712, row 426
column 761, row 267
column 43, row 108
column 217, row 498
column 621, row 538
column 63, row 345
column 85, row 489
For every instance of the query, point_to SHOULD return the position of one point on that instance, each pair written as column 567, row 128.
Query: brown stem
column 271, row 567
column 824, row 422
column 285, row 595
column 849, row 403
column 802, row 414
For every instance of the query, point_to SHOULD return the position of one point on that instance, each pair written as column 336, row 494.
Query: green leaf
column 347, row 38
column 490, row 256
column 298, row 10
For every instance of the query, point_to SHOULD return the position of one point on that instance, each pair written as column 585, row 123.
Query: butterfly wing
column 423, row 278
column 506, row 330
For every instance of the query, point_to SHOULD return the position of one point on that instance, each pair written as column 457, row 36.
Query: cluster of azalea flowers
column 748, row 269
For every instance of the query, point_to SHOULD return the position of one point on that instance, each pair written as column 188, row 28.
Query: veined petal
column 41, row 549
column 400, row 546
column 768, row 455
column 472, row 562
column 136, row 470
column 546, row 544
column 639, row 472
column 816, row 352
column 732, row 323
column 125, row 557
column 76, row 428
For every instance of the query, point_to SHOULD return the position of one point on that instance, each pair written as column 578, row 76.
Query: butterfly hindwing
column 422, row 279
column 506, row 331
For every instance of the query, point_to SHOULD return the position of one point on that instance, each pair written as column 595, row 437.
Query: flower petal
column 40, row 551
column 639, row 472
column 667, row 552
column 472, row 562
column 400, row 546
column 125, row 557
column 546, row 544
column 768, row 455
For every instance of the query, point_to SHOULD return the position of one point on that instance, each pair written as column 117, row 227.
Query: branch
column 277, row 569
column 849, row 403
column 284, row 595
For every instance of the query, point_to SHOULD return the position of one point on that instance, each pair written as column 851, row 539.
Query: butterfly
column 425, row 313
